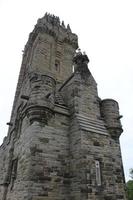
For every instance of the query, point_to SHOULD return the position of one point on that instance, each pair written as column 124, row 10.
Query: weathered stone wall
column 106, row 151
column 49, row 51
column 80, row 94
column 42, row 153
column 92, row 141
column 63, row 141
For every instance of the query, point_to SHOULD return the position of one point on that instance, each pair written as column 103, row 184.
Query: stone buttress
column 63, row 140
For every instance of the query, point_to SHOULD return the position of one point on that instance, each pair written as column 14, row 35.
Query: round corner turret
column 111, row 116
column 40, row 105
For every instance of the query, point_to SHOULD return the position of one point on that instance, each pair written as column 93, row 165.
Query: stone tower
column 63, row 140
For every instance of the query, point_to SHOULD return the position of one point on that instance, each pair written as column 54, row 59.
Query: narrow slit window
column 14, row 172
column 57, row 65
column 98, row 173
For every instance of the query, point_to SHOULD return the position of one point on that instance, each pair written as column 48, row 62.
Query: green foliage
column 131, row 173
column 130, row 189
column 130, row 186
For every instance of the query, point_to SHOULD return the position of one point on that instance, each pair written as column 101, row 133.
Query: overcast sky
column 105, row 31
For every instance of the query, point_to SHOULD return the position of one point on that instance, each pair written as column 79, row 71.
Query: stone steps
column 59, row 99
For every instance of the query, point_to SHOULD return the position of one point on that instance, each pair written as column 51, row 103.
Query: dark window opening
column 14, row 172
column 57, row 65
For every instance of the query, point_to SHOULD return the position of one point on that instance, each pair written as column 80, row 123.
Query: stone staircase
column 59, row 99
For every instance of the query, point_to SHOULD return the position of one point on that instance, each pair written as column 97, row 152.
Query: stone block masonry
column 63, row 140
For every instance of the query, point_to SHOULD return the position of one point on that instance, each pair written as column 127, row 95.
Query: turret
column 41, row 100
column 111, row 116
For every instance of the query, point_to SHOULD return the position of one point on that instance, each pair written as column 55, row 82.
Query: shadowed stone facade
column 63, row 140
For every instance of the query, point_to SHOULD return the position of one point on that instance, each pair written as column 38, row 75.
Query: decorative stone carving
column 80, row 58
column 68, row 28
column 63, row 25
column 51, row 25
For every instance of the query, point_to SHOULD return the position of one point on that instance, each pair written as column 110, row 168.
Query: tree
column 130, row 186
column 131, row 173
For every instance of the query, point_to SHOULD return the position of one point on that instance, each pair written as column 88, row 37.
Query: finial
column 68, row 28
column 63, row 24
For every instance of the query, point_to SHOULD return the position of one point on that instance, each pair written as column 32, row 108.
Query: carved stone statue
column 80, row 58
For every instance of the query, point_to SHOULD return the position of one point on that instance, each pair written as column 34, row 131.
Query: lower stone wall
column 62, row 160
column 42, row 154
column 106, row 151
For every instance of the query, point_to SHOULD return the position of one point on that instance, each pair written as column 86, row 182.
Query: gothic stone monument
column 63, row 140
